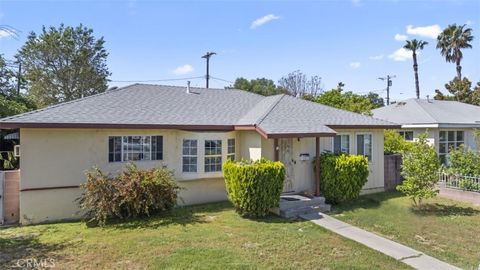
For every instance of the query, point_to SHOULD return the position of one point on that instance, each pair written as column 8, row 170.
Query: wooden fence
column 10, row 181
column 392, row 168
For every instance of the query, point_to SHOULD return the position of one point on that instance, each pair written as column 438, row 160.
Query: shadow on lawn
column 178, row 216
column 438, row 209
column 368, row 201
column 21, row 251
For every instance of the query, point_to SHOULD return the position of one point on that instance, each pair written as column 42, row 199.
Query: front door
column 286, row 157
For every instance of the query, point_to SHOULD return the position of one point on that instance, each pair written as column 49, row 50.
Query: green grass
column 203, row 237
column 442, row 228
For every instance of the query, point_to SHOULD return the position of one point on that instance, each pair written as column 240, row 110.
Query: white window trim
column 234, row 154
column 371, row 144
column 143, row 160
column 182, row 156
column 403, row 136
column 447, row 142
column 205, row 156
column 349, row 142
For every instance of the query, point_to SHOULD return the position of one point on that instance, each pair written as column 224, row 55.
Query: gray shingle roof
column 422, row 111
column 142, row 104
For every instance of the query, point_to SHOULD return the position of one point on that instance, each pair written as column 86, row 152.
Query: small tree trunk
column 415, row 70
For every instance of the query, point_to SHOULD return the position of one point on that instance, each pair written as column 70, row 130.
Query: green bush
column 464, row 161
column 394, row 143
column 133, row 193
column 469, row 185
column 420, row 168
column 342, row 176
column 254, row 186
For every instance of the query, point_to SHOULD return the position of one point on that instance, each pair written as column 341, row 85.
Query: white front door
column 286, row 157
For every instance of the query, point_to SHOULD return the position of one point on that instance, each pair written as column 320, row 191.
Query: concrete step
column 304, row 210
column 296, row 201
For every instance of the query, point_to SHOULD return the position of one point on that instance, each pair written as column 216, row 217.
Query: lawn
column 210, row 236
column 442, row 228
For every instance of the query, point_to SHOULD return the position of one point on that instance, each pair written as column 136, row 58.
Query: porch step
column 296, row 201
column 292, row 206
column 296, row 212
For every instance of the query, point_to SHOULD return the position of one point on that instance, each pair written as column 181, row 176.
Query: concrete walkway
column 412, row 257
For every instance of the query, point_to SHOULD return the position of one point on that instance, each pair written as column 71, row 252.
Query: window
column 128, row 148
column 341, row 144
column 213, row 155
column 189, row 156
column 449, row 140
column 231, row 149
column 407, row 135
column 364, row 145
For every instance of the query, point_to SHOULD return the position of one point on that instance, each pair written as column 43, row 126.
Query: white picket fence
column 458, row 181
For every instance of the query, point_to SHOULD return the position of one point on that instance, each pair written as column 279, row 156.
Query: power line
column 159, row 80
column 220, row 79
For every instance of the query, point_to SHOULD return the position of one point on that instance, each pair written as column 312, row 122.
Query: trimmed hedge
column 342, row 176
column 254, row 186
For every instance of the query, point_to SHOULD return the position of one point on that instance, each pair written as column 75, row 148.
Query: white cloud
column 431, row 31
column 469, row 22
column 182, row 70
column 401, row 54
column 376, row 57
column 263, row 20
column 355, row 65
column 400, row 37
column 5, row 33
column 357, row 3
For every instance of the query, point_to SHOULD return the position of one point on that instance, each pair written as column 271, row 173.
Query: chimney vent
column 188, row 87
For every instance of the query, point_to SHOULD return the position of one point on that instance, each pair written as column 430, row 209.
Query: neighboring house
column 449, row 123
column 191, row 131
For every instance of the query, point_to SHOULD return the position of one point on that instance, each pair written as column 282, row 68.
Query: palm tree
column 451, row 41
column 414, row 46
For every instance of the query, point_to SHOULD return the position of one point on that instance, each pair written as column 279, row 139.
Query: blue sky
column 349, row 41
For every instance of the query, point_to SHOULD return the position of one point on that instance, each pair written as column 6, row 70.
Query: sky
column 350, row 41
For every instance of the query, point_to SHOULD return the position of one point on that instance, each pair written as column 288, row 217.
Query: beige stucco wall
column 60, row 157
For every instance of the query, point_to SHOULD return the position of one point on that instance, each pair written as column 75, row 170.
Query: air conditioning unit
column 16, row 150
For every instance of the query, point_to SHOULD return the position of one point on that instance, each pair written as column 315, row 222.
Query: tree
column 348, row 101
column 63, row 64
column 461, row 90
column 297, row 84
column 11, row 103
column 261, row 86
column 376, row 100
column 420, row 167
column 451, row 42
column 415, row 45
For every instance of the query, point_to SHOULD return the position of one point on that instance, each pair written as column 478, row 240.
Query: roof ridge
column 67, row 102
column 269, row 109
column 426, row 112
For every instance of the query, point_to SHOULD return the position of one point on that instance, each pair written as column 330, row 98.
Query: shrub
column 464, row 161
column 394, row 143
column 342, row 176
column 254, row 186
column 469, row 185
column 131, row 194
column 420, row 167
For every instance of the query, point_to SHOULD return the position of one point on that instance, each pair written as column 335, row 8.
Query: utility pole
column 207, row 57
column 389, row 83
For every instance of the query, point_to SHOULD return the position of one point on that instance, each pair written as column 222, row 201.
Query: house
column 448, row 123
column 191, row 131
